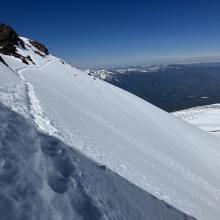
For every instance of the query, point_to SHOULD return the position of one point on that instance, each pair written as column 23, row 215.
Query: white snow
column 163, row 155
column 205, row 117
column 12, row 91
column 42, row 178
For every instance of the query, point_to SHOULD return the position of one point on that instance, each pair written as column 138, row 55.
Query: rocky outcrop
column 8, row 39
column 29, row 58
column 40, row 47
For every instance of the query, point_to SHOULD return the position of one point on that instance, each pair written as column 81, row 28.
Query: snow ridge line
column 35, row 109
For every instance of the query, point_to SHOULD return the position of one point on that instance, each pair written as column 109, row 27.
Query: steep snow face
column 169, row 158
column 205, row 117
column 42, row 178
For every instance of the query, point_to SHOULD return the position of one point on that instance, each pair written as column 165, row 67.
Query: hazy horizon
column 175, row 59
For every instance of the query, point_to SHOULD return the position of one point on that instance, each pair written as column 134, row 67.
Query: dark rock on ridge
column 39, row 46
column 29, row 58
column 9, row 39
column 39, row 53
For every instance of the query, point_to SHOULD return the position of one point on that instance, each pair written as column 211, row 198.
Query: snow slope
column 42, row 178
column 205, row 117
column 163, row 155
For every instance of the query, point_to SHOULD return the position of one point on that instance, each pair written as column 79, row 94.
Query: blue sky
column 89, row 33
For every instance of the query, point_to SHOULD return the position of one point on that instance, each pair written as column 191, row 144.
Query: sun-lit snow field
column 205, row 117
column 43, row 178
column 163, row 155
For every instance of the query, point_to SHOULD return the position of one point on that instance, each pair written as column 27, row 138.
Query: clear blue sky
column 110, row 32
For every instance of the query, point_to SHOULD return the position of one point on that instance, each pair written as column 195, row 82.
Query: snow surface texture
column 12, row 90
column 42, row 178
column 205, row 117
column 163, row 155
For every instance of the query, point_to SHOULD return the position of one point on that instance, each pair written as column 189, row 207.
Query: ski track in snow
column 34, row 107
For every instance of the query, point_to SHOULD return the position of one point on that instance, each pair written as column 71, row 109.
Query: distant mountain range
column 111, row 74
column 171, row 87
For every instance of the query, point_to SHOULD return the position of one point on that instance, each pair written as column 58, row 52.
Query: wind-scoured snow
column 163, row 155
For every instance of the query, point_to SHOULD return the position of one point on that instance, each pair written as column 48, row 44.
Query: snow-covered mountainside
column 43, row 178
column 170, row 159
column 205, row 117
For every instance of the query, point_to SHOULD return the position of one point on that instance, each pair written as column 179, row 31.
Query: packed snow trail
column 34, row 106
column 43, row 178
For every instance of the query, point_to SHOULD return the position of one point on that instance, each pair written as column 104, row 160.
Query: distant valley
column 171, row 87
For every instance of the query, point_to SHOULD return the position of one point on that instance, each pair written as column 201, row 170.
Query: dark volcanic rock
column 39, row 46
column 39, row 53
column 8, row 39
column 29, row 58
